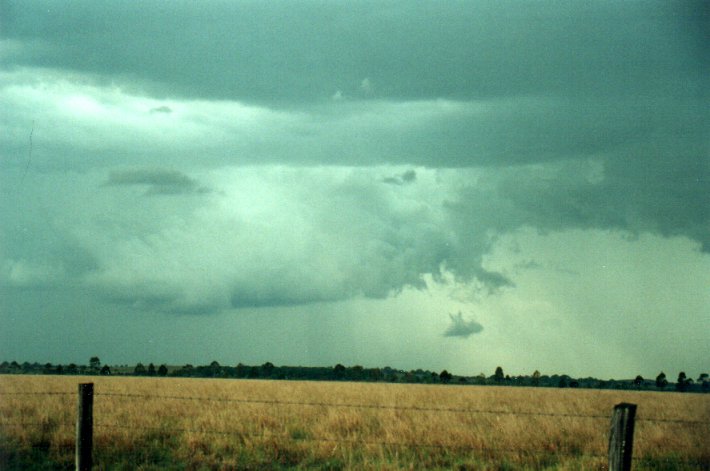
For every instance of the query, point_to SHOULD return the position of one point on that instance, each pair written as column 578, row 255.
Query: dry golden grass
column 249, row 424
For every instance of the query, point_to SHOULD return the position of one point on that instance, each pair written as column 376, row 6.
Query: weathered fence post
column 621, row 437
column 84, row 427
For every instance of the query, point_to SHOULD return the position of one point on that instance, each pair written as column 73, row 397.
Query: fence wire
column 702, row 463
column 392, row 407
column 354, row 442
column 38, row 393
column 36, row 424
column 357, row 406
column 351, row 405
column 390, row 444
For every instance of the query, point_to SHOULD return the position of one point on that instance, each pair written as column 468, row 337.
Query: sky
column 440, row 185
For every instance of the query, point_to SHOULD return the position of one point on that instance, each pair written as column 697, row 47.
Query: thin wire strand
column 38, row 393
column 355, row 442
column 355, row 406
column 673, row 421
column 387, row 407
column 349, row 405
column 36, row 424
column 244, row 434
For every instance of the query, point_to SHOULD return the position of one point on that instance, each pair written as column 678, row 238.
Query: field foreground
column 167, row 423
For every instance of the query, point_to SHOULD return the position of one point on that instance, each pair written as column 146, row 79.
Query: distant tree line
column 358, row 373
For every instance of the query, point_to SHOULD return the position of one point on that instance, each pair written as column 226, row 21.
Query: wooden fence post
column 621, row 437
column 84, row 427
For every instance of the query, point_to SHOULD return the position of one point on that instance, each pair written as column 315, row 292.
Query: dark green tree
column 356, row 372
column 105, row 370
column 536, row 378
column 151, row 370
column 339, row 371
column 638, row 381
column 241, row 370
column 445, row 377
column 95, row 364
column 139, row 370
column 499, row 377
column 661, row 381
column 704, row 383
column 267, row 369
column 682, row 383
column 162, row 370
column 375, row 374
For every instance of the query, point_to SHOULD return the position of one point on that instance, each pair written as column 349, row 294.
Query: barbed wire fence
column 342, row 405
column 243, row 434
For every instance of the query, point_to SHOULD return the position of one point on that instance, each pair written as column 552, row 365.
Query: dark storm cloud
column 556, row 115
column 507, row 83
column 636, row 195
column 373, row 163
column 259, row 51
column 461, row 327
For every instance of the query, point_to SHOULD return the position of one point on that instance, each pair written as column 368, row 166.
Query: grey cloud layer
column 328, row 134
column 87, row 125
column 265, row 52
column 272, row 235
column 454, row 84
column 670, row 198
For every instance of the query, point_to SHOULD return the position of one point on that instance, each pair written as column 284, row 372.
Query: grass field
column 166, row 423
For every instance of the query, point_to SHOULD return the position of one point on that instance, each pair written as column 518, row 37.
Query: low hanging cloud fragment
column 366, row 87
column 493, row 281
column 161, row 109
column 158, row 181
column 461, row 327
column 407, row 177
